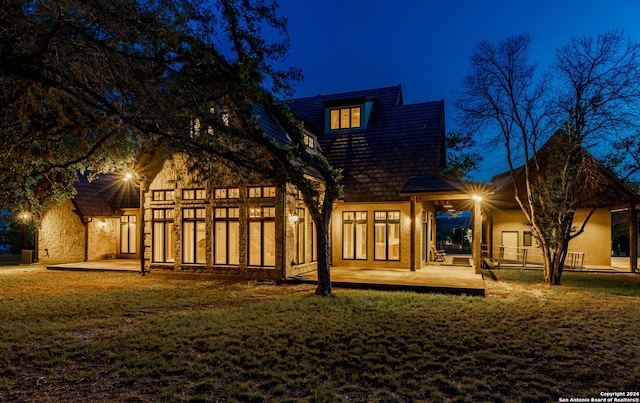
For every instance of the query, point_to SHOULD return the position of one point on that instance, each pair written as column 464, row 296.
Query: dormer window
column 345, row 118
column 309, row 141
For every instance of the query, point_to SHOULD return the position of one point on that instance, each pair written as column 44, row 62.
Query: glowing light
column 128, row 176
column 477, row 198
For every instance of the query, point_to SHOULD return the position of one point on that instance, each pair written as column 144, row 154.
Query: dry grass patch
column 122, row 337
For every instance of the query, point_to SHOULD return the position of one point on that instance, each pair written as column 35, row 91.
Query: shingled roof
column 399, row 142
column 103, row 196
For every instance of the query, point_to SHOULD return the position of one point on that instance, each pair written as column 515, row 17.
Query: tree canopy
column 87, row 83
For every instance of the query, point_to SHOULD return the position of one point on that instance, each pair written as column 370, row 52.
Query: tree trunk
column 553, row 265
column 324, row 274
column 552, row 272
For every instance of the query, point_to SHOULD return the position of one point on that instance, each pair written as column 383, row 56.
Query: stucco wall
column 61, row 235
column 370, row 208
column 595, row 242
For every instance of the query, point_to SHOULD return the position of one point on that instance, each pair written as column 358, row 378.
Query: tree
column 461, row 160
column 86, row 82
column 547, row 122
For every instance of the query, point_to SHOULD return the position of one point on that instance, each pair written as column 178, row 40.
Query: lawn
column 100, row 336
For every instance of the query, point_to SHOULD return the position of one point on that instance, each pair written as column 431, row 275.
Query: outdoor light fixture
column 294, row 215
column 447, row 205
column 477, row 197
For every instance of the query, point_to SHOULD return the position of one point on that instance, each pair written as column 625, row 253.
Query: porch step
column 461, row 261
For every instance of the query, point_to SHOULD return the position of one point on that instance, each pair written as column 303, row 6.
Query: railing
column 527, row 256
column 455, row 248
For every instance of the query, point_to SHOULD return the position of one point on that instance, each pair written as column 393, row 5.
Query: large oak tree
column 83, row 83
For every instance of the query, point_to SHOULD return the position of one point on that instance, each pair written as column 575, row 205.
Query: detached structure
column 511, row 238
column 390, row 153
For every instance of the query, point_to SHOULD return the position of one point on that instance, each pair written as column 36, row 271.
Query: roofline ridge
column 398, row 86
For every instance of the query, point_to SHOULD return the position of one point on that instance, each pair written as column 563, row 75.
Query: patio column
column 633, row 238
column 413, row 233
column 476, row 246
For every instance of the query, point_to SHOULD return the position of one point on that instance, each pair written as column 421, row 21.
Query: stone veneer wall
column 102, row 238
column 61, row 235
column 174, row 176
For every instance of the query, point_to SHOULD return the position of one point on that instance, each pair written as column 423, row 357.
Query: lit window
column 163, row 195
column 345, row 118
column 314, row 242
column 163, row 235
column 193, row 236
column 230, row 193
column 262, row 251
column 193, row 194
column 387, row 235
column 262, row 191
column 300, row 236
column 226, row 236
column 309, row 141
column 128, row 234
column 354, row 235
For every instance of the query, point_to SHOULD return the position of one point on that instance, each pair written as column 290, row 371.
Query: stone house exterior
column 390, row 154
column 100, row 222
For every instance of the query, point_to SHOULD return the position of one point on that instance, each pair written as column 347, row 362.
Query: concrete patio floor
column 441, row 277
column 431, row 278
column 446, row 279
column 99, row 265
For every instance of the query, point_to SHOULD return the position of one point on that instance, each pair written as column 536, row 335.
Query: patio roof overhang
column 433, row 188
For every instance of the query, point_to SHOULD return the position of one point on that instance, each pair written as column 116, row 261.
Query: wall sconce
column 447, row 205
column 102, row 224
column 477, row 198
column 294, row 216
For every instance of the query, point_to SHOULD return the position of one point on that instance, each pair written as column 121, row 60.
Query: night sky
column 426, row 45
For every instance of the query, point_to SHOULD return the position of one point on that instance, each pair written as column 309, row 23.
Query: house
column 100, row 222
column 390, row 154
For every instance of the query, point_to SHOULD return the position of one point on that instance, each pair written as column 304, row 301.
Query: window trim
column 198, row 194
column 165, row 223
column 301, row 238
column 386, row 222
column 355, row 221
column 161, row 195
column 261, row 215
column 195, row 219
column 339, row 112
column 131, row 225
column 227, row 220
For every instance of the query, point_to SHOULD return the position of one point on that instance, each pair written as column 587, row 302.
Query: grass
column 83, row 336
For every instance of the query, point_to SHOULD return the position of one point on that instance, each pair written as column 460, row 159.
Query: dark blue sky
column 426, row 45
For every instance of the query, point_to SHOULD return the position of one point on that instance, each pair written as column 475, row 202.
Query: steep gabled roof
column 399, row 142
column 611, row 192
column 103, row 196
